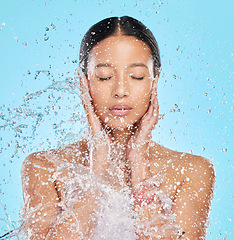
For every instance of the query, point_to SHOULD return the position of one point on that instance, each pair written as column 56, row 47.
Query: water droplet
column 121, row 120
column 106, row 119
column 224, row 150
column 203, row 149
column 53, row 26
column 46, row 38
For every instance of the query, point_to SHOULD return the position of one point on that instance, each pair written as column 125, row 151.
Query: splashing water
column 45, row 119
column 54, row 118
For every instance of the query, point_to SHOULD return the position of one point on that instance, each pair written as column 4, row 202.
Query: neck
column 121, row 136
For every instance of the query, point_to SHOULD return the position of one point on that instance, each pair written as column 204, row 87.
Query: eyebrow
column 110, row 65
column 103, row 65
column 138, row 65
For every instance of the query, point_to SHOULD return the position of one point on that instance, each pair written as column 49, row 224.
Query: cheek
column 99, row 96
column 143, row 103
column 142, row 97
column 95, row 91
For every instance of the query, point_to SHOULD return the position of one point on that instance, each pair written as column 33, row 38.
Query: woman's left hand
column 138, row 145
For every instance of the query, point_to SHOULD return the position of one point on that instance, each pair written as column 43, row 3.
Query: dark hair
column 108, row 27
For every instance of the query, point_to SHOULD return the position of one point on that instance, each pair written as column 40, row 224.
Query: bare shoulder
column 186, row 165
column 48, row 160
column 38, row 160
column 36, row 172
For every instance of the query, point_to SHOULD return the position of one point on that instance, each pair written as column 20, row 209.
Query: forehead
column 121, row 49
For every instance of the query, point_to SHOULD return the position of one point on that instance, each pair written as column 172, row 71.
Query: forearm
column 37, row 219
column 70, row 223
column 153, row 211
column 156, row 225
column 78, row 223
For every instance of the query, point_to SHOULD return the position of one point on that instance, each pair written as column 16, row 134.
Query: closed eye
column 137, row 78
column 104, row 79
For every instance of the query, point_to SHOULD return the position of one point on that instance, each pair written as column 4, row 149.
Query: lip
column 120, row 110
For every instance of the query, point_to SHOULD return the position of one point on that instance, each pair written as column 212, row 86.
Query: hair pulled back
column 110, row 26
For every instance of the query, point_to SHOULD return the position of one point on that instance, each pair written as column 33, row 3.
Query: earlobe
column 158, row 73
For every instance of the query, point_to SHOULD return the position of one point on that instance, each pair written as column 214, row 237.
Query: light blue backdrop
column 195, row 89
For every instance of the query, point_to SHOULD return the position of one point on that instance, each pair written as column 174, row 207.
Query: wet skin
column 113, row 79
column 118, row 73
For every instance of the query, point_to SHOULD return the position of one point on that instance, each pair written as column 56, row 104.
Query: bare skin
column 188, row 180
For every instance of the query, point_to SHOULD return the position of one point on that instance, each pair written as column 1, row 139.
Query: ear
column 158, row 74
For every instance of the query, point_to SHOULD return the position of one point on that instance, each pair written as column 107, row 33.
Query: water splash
column 53, row 118
column 44, row 119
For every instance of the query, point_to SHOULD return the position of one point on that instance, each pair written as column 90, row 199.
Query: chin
column 120, row 125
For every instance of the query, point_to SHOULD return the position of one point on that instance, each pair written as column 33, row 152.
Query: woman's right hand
column 100, row 139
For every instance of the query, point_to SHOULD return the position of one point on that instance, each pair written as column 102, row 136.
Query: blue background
column 195, row 88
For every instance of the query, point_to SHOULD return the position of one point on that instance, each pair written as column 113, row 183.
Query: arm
column 191, row 206
column 78, row 223
column 193, row 201
column 49, row 220
column 40, row 196
column 152, row 207
column 43, row 215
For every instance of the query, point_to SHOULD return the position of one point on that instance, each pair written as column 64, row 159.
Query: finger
column 83, row 92
column 85, row 95
column 154, row 112
column 150, row 112
column 93, row 119
column 150, row 119
column 154, row 88
column 154, row 102
column 155, row 107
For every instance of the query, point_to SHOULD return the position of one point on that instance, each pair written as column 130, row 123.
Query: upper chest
column 171, row 172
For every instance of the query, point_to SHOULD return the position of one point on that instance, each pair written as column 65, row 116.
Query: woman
column 117, row 183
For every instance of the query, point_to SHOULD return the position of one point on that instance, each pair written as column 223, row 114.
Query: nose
column 120, row 87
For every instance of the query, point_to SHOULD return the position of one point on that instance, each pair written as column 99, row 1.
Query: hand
column 138, row 145
column 100, row 139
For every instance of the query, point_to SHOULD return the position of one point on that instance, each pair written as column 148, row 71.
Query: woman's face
column 120, row 75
